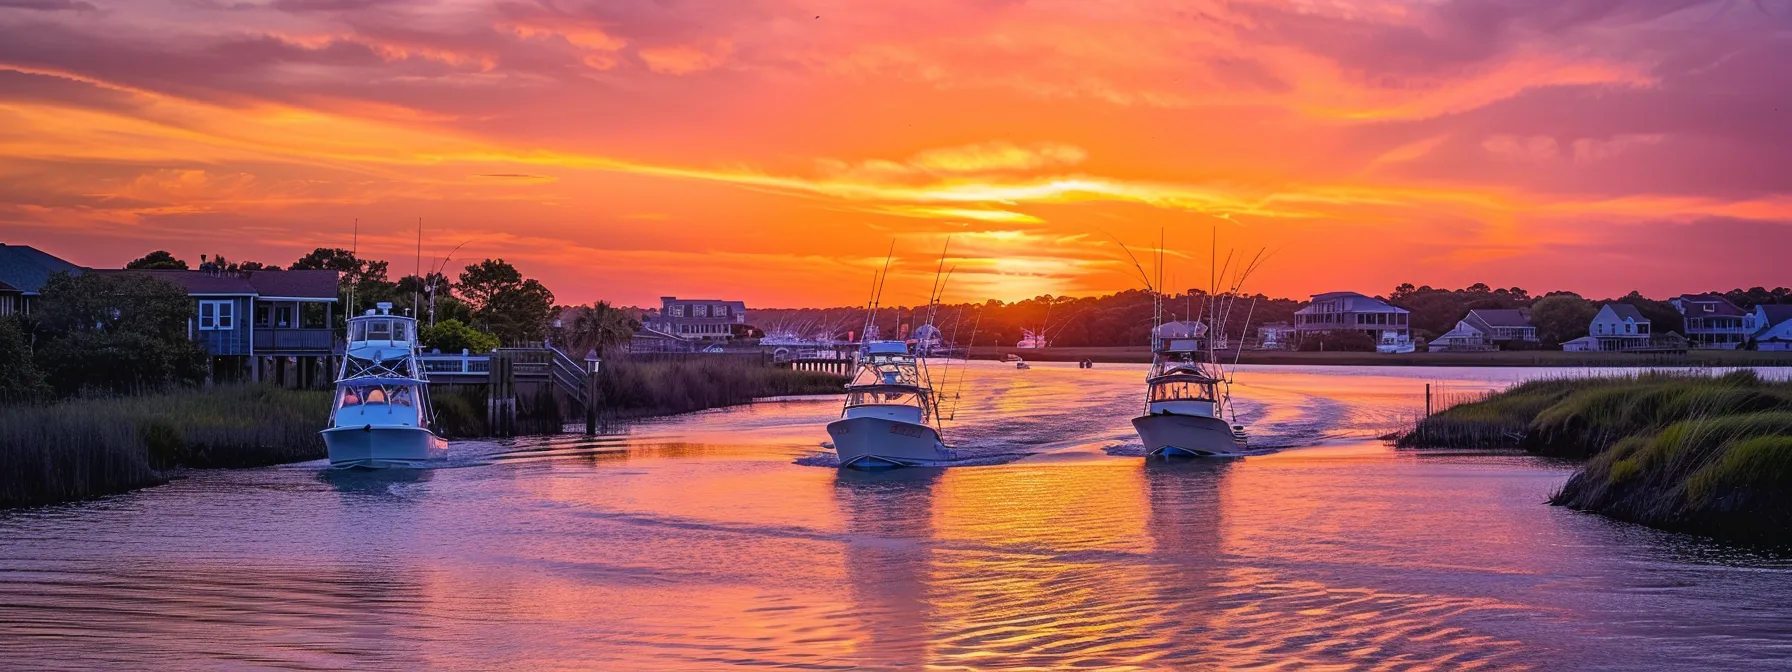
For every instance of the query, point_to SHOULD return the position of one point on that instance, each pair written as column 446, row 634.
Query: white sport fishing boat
column 1185, row 407
column 382, row 413
column 891, row 414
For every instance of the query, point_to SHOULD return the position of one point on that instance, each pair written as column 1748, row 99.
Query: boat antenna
column 354, row 251
column 417, row 270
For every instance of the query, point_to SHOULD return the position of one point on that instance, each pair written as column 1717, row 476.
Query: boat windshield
column 373, row 394
column 1182, row 390
column 885, row 397
column 388, row 329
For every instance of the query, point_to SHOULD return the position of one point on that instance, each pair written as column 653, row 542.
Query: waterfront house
column 262, row 322
column 702, row 319
column 1713, row 322
column 1775, row 332
column 1350, row 311
column 23, row 272
column 1276, row 336
column 1617, row 327
column 1486, row 329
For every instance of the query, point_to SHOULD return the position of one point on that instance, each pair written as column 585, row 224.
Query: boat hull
column 375, row 447
column 1170, row 435
column 881, row 443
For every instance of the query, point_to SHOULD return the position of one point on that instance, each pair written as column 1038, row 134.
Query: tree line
column 110, row 333
column 1124, row 318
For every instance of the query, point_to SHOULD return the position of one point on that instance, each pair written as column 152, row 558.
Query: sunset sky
column 772, row 151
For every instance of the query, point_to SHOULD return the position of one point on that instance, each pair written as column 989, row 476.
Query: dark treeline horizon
column 1124, row 318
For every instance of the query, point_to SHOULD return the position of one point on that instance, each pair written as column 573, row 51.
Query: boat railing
column 458, row 363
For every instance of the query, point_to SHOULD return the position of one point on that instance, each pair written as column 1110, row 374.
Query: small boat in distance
column 382, row 413
column 1184, row 406
column 891, row 415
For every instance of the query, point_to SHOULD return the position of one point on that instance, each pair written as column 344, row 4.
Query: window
column 700, row 310
column 721, row 311
column 678, row 310
column 379, row 330
column 1182, row 391
column 217, row 315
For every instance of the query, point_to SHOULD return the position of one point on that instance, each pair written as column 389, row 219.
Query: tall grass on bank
column 85, row 448
column 1699, row 453
column 633, row 389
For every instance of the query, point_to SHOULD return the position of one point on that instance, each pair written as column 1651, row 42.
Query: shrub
column 453, row 336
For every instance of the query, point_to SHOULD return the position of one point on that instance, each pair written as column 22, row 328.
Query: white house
column 1775, row 333
column 1487, row 329
column 1618, row 326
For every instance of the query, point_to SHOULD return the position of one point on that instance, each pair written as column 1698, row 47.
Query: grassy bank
column 86, row 448
column 1704, row 454
column 634, row 389
column 1552, row 358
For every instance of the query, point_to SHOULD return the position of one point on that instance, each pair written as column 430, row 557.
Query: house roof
column 303, row 284
column 1627, row 311
column 26, row 268
column 1353, row 302
column 199, row 283
column 737, row 305
column 1719, row 306
column 1776, row 313
column 1500, row 317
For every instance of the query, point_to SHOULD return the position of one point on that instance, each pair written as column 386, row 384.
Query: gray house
column 1487, row 329
column 1350, row 311
column 700, row 319
column 23, row 271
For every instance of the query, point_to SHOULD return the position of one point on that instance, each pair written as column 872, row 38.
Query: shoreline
column 1703, row 454
column 1519, row 358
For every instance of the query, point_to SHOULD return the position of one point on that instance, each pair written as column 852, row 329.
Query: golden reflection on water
column 698, row 543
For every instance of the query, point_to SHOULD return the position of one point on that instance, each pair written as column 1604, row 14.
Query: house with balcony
column 1350, row 311
column 1616, row 328
column 1713, row 322
column 698, row 319
column 267, row 324
column 23, row 271
column 1485, row 329
column 1775, row 331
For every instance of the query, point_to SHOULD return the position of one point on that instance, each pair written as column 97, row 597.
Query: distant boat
column 382, row 412
column 890, row 418
column 1029, row 340
column 1184, row 406
column 1022, row 365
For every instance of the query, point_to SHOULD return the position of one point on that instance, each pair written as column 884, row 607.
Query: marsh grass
column 84, row 448
column 634, row 389
column 1701, row 453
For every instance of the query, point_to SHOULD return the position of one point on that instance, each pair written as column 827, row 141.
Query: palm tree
column 599, row 327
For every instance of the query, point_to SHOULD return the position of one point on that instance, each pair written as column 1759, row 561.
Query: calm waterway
column 715, row 541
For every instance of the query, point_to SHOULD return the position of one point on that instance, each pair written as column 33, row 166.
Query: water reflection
column 696, row 543
column 386, row 483
column 888, row 519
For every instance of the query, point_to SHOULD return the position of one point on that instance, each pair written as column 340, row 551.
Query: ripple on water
column 701, row 542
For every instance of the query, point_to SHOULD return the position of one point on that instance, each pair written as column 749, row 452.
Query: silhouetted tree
column 158, row 260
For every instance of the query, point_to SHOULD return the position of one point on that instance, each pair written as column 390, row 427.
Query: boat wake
column 831, row 460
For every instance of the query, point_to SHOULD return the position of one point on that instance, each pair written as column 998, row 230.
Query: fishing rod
column 962, row 370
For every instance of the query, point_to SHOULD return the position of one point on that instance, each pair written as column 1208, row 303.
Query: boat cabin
column 888, row 385
column 380, row 402
column 1183, row 393
column 382, row 327
column 902, row 403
